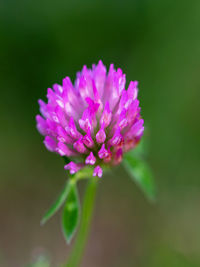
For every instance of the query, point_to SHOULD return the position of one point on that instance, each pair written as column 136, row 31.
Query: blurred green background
column 154, row 42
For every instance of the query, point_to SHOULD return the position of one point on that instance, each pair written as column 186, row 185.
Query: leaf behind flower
column 141, row 173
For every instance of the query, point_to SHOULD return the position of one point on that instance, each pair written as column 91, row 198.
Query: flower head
column 94, row 121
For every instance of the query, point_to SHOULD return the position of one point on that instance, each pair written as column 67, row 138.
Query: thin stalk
column 88, row 205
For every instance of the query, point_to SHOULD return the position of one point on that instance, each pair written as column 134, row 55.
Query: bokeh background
column 154, row 42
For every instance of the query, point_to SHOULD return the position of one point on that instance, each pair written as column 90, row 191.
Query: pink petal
column 41, row 125
column 90, row 159
column 64, row 150
column 71, row 129
column 98, row 171
column 87, row 140
column 79, row 146
column 50, row 143
column 73, row 167
column 101, row 136
column 106, row 116
column 103, row 153
column 116, row 139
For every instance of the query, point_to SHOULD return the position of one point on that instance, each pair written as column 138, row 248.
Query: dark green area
column 154, row 42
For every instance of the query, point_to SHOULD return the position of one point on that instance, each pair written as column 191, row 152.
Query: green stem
column 88, row 205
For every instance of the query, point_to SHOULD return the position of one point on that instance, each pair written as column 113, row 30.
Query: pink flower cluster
column 94, row 121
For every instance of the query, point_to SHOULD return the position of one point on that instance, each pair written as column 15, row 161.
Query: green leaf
column 57, row 204
column 141, row 173
column 71, row 213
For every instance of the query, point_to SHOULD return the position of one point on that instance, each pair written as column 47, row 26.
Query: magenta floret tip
column 93, row 122
column 90, row 159
column 98, row 171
